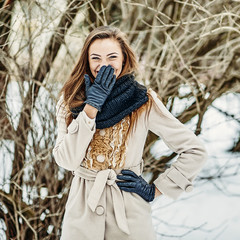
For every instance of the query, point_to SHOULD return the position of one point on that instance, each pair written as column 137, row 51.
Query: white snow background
column 212, row 210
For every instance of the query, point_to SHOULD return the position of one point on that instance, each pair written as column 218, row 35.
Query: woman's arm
column 191, row 152
column 72, row 141
column 90, row 111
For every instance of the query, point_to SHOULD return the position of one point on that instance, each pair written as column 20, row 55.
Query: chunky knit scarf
column 127, row 95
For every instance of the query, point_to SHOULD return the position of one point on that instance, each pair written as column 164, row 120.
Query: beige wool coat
column 96, row 208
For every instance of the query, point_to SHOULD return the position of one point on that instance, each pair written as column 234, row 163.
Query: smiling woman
column 103, row 118
column 99, row 55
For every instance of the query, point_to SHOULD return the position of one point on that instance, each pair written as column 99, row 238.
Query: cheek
column 92, row 67
column 117, row 66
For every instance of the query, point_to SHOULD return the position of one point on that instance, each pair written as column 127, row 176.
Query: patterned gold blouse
column 108, row 147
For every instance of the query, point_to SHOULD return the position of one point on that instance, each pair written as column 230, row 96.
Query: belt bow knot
column 112, row 176
column 101, row 179
column 109, row 177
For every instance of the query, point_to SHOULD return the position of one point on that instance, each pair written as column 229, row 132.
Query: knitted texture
column 108, row 146
column 127, row 95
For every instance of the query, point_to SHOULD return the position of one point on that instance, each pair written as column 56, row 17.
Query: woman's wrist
column 157, row 192
column 90, row 111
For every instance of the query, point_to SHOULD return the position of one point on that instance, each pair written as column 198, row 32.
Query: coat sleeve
column 191, row 152
column 72, row 141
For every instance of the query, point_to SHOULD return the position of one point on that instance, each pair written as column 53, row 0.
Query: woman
column 103, row 118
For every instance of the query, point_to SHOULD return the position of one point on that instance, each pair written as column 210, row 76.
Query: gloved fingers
column 126, row 178
column 109, row 77
column 113, row 81
column 100, row 74
column 87, row 82
column 127, row 189
column 126, row 184
column 107, row 74
column 130, row 173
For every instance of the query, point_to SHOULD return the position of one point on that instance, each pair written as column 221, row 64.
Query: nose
column 102, row 63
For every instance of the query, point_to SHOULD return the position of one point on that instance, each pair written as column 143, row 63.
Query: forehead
column 104, row 46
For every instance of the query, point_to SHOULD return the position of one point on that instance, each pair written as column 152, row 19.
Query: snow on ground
column 212, row 210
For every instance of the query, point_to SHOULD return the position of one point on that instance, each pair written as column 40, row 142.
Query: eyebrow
column 95, row 54
column 112, row 53
column 100, row 55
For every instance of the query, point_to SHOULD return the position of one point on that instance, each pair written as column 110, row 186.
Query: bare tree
column 180, row 44
column 22, row 215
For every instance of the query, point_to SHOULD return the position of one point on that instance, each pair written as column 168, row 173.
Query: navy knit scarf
column 127, row 95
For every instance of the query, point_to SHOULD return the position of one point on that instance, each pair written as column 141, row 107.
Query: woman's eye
column 95, row 58
column 113, row 57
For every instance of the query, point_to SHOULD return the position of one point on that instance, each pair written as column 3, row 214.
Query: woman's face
column 105, row 52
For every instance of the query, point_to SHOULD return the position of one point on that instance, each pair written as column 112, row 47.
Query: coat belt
column 101, row 178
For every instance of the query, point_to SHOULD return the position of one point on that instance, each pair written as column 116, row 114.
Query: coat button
column 99, row 210
column 189, row 188
column 73, row 127
column 100, row 158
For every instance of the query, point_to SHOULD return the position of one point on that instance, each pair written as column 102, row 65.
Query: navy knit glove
column 98, row 92
column 136, row 184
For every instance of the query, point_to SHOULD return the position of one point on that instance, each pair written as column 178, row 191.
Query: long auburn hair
column 73, row 90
